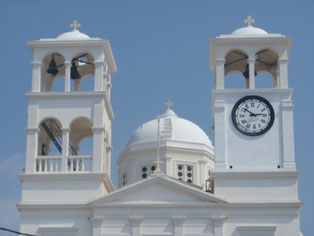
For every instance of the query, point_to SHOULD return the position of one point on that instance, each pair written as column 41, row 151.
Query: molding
column 56, row 205
column 266, row 204
column 62, row 95
column 256, row 174
column 258, row 91
column 160, row 205
column 63, row 177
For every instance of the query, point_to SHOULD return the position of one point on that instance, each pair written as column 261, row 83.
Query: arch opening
column 49, row 144
column 82, row 69
column 266, row 64
column 236, row 62
column 53, row 72
column 81, row 145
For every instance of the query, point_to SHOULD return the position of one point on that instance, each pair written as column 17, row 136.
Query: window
column 147, row 170
column 124, row 179
column 185, row 173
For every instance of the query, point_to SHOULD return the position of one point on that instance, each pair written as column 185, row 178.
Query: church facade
column 172, row 180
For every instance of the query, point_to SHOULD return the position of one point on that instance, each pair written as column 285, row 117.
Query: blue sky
column 161, row 50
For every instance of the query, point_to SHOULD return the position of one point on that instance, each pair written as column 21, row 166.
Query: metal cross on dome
column 169, row 104
column 249, row 20
column 75, row 25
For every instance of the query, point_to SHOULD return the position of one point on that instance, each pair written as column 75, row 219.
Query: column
column 251, row 62
column 108, row 159
column 98, row 148
column 203, row 174
column 36, row 80
column 220, row 73
column 283, row 68
column 277, row 78
column 288, row 135
column 99, row 71
column 67, row 79
column 218, row 226
column 65, row 148
column 178, row 225
column 136, row 222
column 31, row 149
column 220, row 142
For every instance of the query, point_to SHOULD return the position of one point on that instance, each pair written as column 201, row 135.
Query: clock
column 253, row 115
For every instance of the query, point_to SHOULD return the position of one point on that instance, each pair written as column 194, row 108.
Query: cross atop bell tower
column 249, row 20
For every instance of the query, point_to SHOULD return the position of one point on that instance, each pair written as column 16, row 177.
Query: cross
column 75, row 25
column 249, row 20
column 169, row 104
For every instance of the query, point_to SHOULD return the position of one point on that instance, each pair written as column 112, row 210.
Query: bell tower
column 253, row 126
column 68, row 152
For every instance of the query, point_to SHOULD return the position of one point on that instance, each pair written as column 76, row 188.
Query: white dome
column 73, row 35
column 249, row 30
column 171, row 128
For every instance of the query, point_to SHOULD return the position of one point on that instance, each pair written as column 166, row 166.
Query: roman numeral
column 263, row 121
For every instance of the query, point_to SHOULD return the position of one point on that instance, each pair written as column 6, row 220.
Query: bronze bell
column 246, row 72
column 74, row 71
column 52, row 68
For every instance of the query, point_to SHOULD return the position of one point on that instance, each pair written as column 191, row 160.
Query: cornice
column 256, row 174
column 63, row 176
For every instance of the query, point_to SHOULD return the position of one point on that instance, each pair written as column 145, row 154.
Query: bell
column 74, row 72
column 52, row 69
column 246, row 72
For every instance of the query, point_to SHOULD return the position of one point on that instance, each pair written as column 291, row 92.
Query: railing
column 51, row 164
column 80, row 164
column 48, row 163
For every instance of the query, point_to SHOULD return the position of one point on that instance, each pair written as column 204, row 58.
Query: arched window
column 82, row 69
column 266, row 68
column 50, row 138
column 49, row 146
column 53, row 72
column 236, row 69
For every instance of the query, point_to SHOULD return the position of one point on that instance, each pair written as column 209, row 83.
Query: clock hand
column 251, row 113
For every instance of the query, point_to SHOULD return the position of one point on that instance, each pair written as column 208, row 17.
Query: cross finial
column 158, row 171
column 169, row 104
column 249, row 20
column 75, row 25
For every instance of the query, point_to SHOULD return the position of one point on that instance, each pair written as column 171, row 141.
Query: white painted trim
column 59, row 176
column 256, row 174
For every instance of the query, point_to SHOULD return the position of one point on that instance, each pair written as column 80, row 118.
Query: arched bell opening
column 81, row 137
column 235, row 80
column 82, row 67
column 53, row 72
column 264, row 79
column 236, row 69
column 50, row 138
column 266, row 64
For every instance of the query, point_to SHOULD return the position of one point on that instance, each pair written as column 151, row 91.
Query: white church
column 172, row 180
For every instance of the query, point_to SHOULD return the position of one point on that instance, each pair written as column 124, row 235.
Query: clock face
column 253, row 115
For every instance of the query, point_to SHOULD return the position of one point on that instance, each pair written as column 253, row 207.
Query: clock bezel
column 267, row 103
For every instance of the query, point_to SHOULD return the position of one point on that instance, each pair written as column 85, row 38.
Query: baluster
column 40, row 164
column 51, row 164
column 57, row 165
column 83, row 165
column 76, row 165
column 46, row 165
